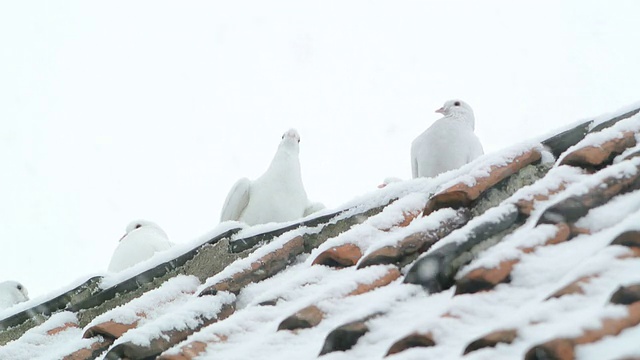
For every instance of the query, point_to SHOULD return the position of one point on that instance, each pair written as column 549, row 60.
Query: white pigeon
column 276, row 196
column 447, row 144
column 142, row 240
column 11, row 293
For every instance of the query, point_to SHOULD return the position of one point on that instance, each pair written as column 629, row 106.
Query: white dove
column 142, row 240
column 276, row 196
column 447, row 144
column 11, row 293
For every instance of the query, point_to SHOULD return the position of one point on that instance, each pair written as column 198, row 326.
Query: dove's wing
column 414, row 161
column 476, row 150
column 312, row 208
column 236, row 201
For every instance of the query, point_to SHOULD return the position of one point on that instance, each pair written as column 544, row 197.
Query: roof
column 531, row 252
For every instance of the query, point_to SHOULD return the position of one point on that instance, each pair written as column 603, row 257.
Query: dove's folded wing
column 312, row 208
column 476, row 150
column 236, row 201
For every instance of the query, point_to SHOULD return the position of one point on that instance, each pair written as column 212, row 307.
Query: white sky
column 113, row 111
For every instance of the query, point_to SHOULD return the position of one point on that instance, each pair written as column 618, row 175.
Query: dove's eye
column 19, row 287
column 457, row 103
column 138, row 226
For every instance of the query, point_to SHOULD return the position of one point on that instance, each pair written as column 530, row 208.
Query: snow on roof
column 515, row 255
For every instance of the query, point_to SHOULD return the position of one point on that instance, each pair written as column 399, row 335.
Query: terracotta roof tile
column 144, row 309
column 574, row 287
column 311, row 315
column 411, row 341
column 339, row 256
column 628, row 239
column 492, row 339
column 344, row 251
column 259, row 269
column 109, row 329
column 92, row 351
column 161, row 339
column 391, row 275
column 616, row 179
column 410, row 246
column 564, row 348
column 436, row 270
column 486, row 278
column 596, row 156
column 462, row 193
column 308, row 317
column 345, row 336
column 62, row 328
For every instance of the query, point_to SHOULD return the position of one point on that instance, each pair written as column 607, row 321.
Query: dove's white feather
column 141, row 241
column 237, row 200
column 447, row 144
column 278, row 195
column 11, row 293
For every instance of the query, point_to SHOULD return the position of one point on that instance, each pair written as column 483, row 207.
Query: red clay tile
column 626, row 295
column 169, row 338
column 389, row 254
column 573, row 208
column 575, row 231
column 526, row 206
column 109, row 329
column 628, row 238
column 407, row 218
column 483, row 279
column 187, row 352
column 461, row 194
column 339, row 256
column 594, row 156
column 411, row 341
column 312, row 315
column 611, row 327
column 564, row 348
column 193, row 349
column 563, row 233
column 414, row 244
column 62, row 328
column 631, row 155
column 573, row 288
column 99, row 345
column 492, row 339
column 559, row 349
column 346, row 336
column 305, row 318
column 391, row 275
column 265, row 267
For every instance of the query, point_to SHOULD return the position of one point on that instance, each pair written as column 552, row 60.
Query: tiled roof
column 532, row 252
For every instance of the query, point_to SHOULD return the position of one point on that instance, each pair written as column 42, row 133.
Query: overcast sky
column 113, row 111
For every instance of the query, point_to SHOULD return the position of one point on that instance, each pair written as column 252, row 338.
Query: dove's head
column 458, row 109
column 13, row 292
column 455, row 107
column 143, row 225
column 290, row 139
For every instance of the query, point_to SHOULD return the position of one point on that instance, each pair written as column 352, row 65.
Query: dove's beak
column 441, row 110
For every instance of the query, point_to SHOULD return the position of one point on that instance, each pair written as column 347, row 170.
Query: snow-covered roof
column 531, row 252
